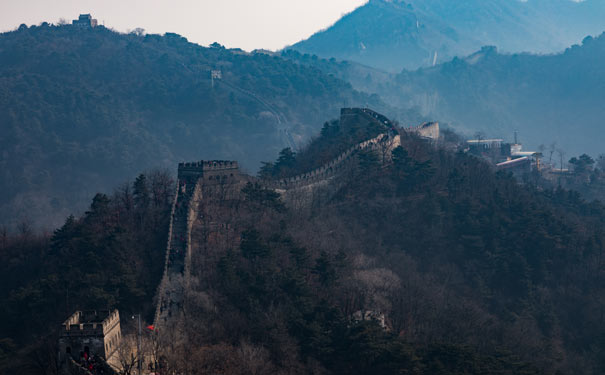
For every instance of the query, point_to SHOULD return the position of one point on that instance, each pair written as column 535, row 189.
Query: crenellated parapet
column 347, row 114
column 427, row 130
column 207, row 169
column 330, row 169
column 92, row 332
column 207, row 165
column 90, row 323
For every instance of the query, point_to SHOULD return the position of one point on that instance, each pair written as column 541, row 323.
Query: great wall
column 193, row 176
column 190, row 178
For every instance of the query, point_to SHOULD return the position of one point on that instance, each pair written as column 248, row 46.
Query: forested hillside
column 83, row 109
column 110, row 257
column 470, row 272
column 397, row 34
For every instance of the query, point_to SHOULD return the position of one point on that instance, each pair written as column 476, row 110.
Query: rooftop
column 480, row 141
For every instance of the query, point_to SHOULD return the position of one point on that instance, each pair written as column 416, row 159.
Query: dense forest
column 395, row 34
column 585, row 175
column 110, row 257
column 468, row 271
column 83, row 109
column 434, row 263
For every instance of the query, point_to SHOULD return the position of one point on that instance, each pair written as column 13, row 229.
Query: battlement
column 215, row 165
column 197, row 169
column 368, row 114
column 90, row 323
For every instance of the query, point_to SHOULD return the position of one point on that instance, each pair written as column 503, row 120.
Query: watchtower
column 92, row 332
column 85, row 21
column 212, row 171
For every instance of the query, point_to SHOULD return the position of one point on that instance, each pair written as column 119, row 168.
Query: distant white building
column 484, row 144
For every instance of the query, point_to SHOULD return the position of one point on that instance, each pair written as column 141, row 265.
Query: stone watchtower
column 93, row 332
column 212, row 171
column 85, row 21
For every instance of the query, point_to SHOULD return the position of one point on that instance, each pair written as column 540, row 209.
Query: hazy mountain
column 395, row 34
column 81, row 110
column 553, row 98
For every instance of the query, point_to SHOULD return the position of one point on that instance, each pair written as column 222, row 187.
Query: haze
column 268, row 24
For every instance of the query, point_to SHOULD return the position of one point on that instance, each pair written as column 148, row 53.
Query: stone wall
column 428, row 130
column 354, row 114
column 96, row 331
column 299, row 190
column 331, row 168
column 191, row 177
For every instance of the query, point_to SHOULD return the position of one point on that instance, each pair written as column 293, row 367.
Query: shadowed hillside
column 82, row 109
column 428, row 263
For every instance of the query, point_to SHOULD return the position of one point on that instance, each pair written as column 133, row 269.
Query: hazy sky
column 247, row 24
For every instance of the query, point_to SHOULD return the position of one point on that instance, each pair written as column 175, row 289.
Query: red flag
column 151, row 327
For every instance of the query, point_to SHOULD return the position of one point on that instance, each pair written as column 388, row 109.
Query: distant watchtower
column 92, row 332
column 85, row 21
column 212, row 171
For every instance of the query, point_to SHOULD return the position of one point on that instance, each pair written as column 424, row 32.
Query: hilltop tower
column 85, row 21
column 212, row 171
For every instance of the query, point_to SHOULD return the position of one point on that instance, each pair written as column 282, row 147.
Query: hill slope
column 443, row 248
column 81, row 110
column 396, row 34
column 554, row 98
column 470, row 272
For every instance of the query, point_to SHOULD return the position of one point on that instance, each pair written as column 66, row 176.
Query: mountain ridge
column 553, row 100
column 547, row 98
column 394, row 35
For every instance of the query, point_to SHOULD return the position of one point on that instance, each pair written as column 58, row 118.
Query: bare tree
column 561, row 153
column 126, row 355
column 551, row 150
column 3, row 236
column 601, row 162
column 255, row 360
column 25, row 229
column 162, row 186
column 45, row 360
